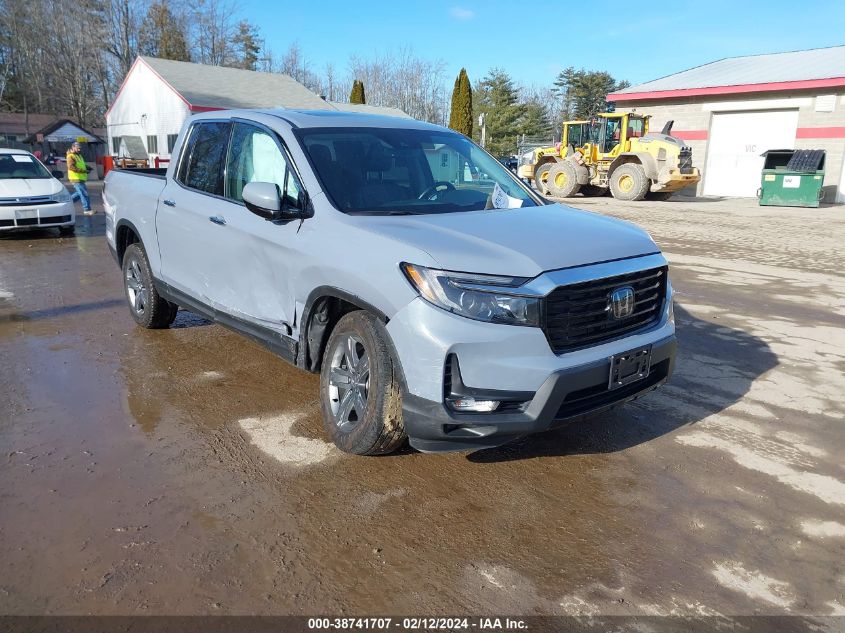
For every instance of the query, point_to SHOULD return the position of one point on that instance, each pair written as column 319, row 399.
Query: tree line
column 70, row 60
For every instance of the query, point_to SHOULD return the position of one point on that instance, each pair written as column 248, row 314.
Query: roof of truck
column 330, row 118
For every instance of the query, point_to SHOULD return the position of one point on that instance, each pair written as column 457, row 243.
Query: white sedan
column 32, row 197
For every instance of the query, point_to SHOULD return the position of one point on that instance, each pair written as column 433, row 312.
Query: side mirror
column 57, row 174
column 265, row 200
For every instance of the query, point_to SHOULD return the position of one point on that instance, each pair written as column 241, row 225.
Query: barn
column 732, row 110
column 157, row 95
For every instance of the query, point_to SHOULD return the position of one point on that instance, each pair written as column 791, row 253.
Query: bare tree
column 214, row 25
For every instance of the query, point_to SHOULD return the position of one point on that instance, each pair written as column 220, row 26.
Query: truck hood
column 519, row 242
column 25, row 187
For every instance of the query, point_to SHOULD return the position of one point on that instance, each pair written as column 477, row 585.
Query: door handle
column 218, row 220
column 169, row 203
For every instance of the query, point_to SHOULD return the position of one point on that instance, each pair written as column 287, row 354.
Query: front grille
column 685, row 160
column 580, row 315
column 31, row 201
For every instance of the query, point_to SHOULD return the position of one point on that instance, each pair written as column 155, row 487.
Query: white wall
column 146, row 106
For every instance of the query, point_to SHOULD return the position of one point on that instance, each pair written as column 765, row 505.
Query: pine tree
column 460, row 117
column 162, row 35
column 497, row 96
column 584, row 92
column 246, row 44
column 357, row 94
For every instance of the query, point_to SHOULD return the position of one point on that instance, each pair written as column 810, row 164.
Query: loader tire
column 629, row 182
column 563, row 180
column 540, row 177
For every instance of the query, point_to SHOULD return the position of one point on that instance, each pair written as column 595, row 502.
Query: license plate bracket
column 629, row 367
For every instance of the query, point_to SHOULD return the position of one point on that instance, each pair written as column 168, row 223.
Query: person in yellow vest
column 77, row 173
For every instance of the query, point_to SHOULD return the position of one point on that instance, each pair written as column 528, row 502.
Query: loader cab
column 613, row 131
column 576, row 134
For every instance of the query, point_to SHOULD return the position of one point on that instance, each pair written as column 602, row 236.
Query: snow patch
column 822, row 529
column 826, row 488
column 5, row 294
column 272, row 435
column 754, row 584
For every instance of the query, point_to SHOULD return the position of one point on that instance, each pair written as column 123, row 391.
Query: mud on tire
column 146, row 306
column 360, row 392
column 540, row 177
column 629, row 182
column 563, row 180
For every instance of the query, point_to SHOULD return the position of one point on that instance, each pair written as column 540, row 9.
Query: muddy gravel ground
column 185, row 471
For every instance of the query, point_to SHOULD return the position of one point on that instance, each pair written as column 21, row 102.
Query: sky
column 533, row 41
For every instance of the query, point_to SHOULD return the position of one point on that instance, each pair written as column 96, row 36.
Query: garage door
column 735, row 143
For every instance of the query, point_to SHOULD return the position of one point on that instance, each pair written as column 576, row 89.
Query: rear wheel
column 359, row 390
column 540, row 177
column 563, row 180
column 629, row 182
column 658, row 195
column 147, row 307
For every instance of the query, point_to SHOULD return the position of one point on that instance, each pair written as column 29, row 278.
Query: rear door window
column 202, row 168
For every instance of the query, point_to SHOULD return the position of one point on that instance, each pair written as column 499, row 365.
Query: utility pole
column 482, row 118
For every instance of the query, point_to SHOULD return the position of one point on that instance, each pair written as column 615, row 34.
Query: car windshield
column 400, row 171
column 20, row 166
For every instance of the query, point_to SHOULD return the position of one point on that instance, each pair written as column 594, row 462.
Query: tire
column 563, row 180
column 378, row 428
column 592, row 191
column 629, row 182
column 67, row 231
column 154, row 312
column 661, row 196
column 540, row 177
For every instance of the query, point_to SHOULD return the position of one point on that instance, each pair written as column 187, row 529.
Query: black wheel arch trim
column 304, row 359
column 123, row 222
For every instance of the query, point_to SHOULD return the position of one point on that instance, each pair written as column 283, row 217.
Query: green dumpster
column 792, row 178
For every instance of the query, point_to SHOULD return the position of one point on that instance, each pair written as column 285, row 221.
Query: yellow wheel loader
column 614, row 151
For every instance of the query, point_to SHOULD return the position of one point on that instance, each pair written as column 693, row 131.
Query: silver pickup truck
column 440, row 299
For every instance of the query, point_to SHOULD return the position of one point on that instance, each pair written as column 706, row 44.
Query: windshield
column 20, row 166
column 397, row 171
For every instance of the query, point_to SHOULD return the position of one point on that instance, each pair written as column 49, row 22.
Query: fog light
column 465, row 404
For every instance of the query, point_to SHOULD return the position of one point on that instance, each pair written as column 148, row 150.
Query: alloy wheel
column 135, row 288
column 349, row 382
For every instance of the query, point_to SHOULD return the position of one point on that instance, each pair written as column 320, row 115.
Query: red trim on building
column 820, row 132
column 690, row 135
column 807, row 84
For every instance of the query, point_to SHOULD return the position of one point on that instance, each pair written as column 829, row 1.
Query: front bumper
column 565, row 395
column 40, row 216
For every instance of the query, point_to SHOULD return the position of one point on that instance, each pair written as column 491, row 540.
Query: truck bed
column 150, row 172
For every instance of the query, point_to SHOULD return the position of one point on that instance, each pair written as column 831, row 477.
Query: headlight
column 62, row 196
column 481, row 297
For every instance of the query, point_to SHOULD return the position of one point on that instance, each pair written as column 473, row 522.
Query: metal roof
column 772, row 68
column 206, row 86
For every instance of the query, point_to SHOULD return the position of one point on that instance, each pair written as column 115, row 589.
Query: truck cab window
column 255, row 156
column 201, row 168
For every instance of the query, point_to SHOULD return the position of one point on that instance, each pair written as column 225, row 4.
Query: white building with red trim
column 732, row 110
column 157, row 95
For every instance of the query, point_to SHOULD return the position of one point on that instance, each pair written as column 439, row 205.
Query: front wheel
column 629, row 182
column 359, row 390
column 147, row 307
column 563, row 180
